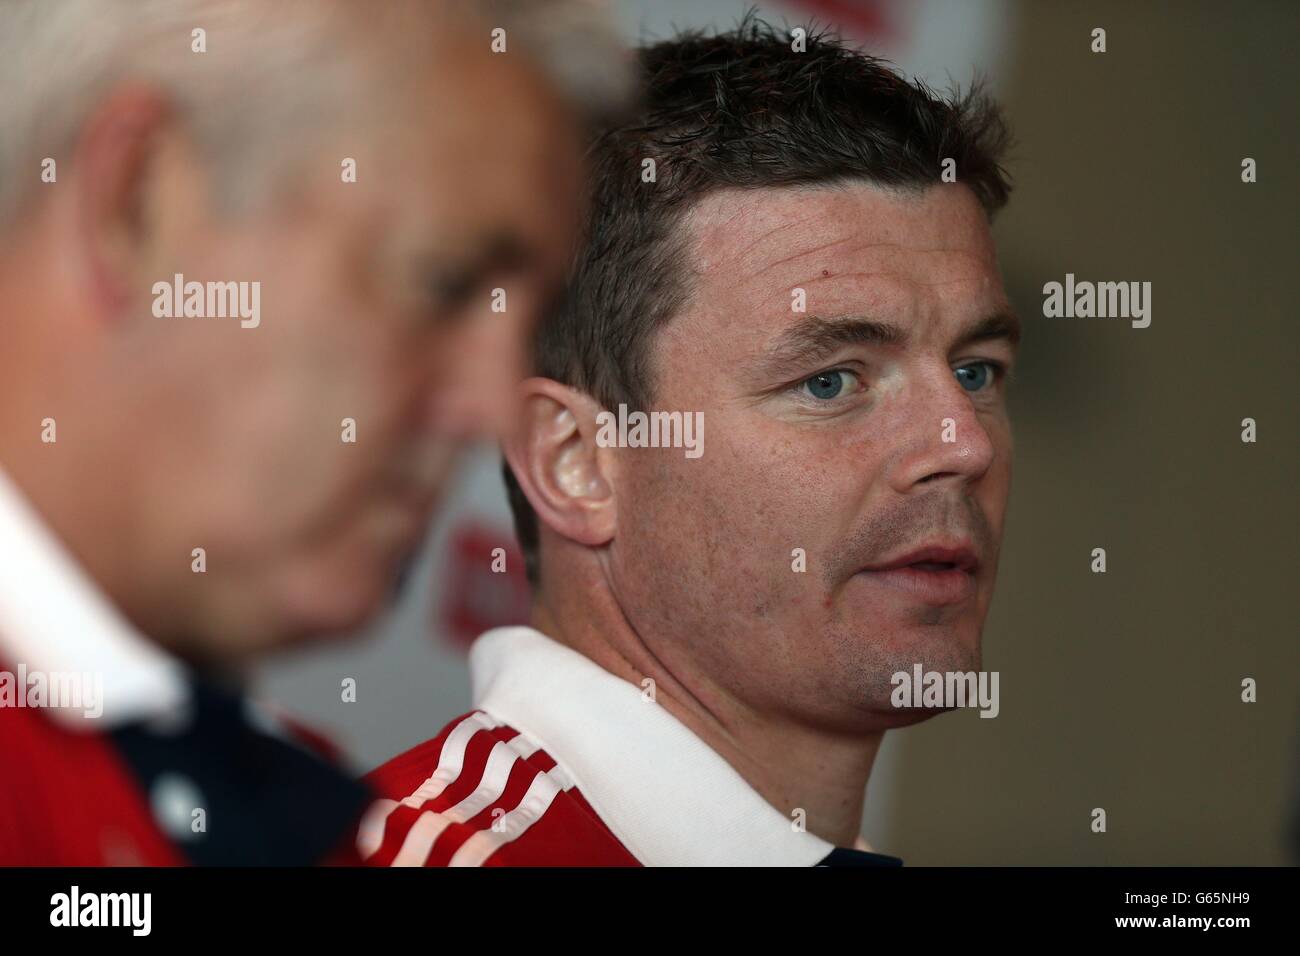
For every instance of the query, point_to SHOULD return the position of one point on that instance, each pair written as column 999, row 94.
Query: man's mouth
column 933, row 565
column 937, row 574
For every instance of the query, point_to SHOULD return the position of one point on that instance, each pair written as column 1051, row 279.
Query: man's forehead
column 857, row 250
column 474, row 184
column 741, row 235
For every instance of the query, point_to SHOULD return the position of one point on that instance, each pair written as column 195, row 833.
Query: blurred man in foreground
column 249, row 257
column 721, row 611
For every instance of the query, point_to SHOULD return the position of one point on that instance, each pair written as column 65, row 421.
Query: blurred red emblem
column 477, row 597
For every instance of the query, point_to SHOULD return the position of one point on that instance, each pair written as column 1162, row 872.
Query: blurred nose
column 943, row 438
column 472, row 392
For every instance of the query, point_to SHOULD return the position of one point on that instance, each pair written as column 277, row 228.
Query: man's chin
column 335, row 606
column 948, row 650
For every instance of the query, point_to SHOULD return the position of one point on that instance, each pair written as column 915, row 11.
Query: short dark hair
column 740, row 109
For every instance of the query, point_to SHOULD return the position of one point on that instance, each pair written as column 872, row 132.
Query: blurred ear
column 121, row 167
column 558, row 464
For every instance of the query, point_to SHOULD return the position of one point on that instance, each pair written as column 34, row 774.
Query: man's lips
column 959, row 555
column 935, row 574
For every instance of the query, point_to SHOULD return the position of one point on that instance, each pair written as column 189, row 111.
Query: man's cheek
column 994, row 497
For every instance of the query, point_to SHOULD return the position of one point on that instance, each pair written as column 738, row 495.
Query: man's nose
column 472, row 394
column 944, row 438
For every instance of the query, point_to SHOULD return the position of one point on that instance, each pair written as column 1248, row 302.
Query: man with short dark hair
column 791, row 247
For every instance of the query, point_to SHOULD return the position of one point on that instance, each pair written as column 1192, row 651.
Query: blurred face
column 870, row 431
column 378, row 320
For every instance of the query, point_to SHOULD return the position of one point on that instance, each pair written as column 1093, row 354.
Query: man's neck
column 71, row 493
column 794, row 766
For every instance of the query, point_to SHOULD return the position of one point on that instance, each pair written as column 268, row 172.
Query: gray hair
column 59, row 58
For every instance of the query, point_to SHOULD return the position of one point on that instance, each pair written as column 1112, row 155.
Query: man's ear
column 117, row 175
column 555, row 458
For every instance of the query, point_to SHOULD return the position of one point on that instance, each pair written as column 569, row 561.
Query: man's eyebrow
column 507, row 250
column 1001, row 325
column 815, row 338
column 454, row 278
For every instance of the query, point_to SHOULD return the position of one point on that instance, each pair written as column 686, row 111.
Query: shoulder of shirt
column 482, row 794
column 69, row 799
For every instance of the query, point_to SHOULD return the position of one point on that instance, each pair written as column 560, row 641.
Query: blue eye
column 975, row 376
column 826, row 385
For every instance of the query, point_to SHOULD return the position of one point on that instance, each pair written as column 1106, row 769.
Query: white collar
column 54, row 619
column 667, row 795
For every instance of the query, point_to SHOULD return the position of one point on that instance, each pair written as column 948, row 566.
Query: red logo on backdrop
column 865, row 19
column 477, row 598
